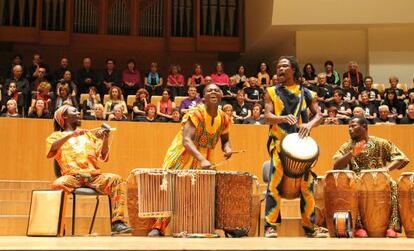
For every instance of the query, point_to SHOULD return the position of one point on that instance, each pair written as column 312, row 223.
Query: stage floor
column 144, row 243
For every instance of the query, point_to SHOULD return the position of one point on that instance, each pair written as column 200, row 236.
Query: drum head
column 298, row 148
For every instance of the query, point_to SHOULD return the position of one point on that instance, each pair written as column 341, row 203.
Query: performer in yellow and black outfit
column 77, row 152
column 193, row 146
column 286, row 111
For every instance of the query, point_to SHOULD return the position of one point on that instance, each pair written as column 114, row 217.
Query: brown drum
column 375, row 201
column 319, row 201
column 154, row 192
column 341, row 194
column 236, row 208
column 194, row 203
column 141, row 226
column 406, row 202
column 297, row 156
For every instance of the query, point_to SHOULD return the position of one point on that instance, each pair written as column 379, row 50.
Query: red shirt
column 220, row 79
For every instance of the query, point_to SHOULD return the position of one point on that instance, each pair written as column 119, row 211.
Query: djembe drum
column 194, row 203
column 406, row 202
column 298, row 155
column 236, row 207
column 318, row 189
column 341, row 190
column 375, row 201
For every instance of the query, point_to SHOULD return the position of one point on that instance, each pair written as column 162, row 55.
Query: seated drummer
column 369, row 152
column 77, row 152
column 286, row 111
column 193, row 146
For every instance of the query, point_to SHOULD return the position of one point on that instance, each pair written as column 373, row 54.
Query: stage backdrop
column 143, row 145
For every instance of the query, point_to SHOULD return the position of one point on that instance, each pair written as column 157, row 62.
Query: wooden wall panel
column 22, row 146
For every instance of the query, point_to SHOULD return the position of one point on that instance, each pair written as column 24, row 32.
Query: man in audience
column 59, row 72
column 384, row 117
column 192, row 101
column 256, row 118
column 393, row 81
column 343, row 109
column 77, row 152
column 253, row 94
column 87, row 77
column 409, row 118
column 33, row 70
column 364, row 152
column 369, row 108
column 350, row 95
column 332, row 118
column 175, row 116
column 17, row 60
column 110, row 76
column 242, row 109
column 22, row 86
column 323, row 89
column 373, row 94
column 354, row 75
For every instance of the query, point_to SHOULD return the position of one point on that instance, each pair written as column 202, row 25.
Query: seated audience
column 141, row 101
column 43, row 92
column 176, row 116
column 370, row 110
column 110, row 76
column 192, row 101
column 175, row 81
column 263, row 76
column 115, row 98
column 150, row 114
column 253, row 94
column 393, row 81
column 242, row 109
column 220, row 78
column 87, row 77
column 57, row 75
column 343, row 109
column 240, row 77
column 332, row 118
column 89, row 104
column 153, row 81
column 350, row 95
column 373, row 94
column 39, row 110
column 118, row 113
column 309, row 75
column 131, row 79
column 197, row 79
column 323, row 89
column 396, row 107
column 354, row 75
column 11, row 110
column 359, row 112
column 63, row 98
column 67, row 81
column 165, row 106
column 384, row 116
column 332, row 76
column 228, row 109
column 256, row 118
column 97, row 113
column 12, row 93
column 409, row 118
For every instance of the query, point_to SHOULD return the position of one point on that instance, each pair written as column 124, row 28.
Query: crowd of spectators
column 36, row 92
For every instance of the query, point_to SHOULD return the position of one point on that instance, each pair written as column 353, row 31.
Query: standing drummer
column 193, row 146
column 370, row 152
column 286, row 111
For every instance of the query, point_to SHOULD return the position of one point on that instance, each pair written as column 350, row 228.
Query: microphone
column 107, row 127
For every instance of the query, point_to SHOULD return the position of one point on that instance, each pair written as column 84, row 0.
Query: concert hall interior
column 316, row 87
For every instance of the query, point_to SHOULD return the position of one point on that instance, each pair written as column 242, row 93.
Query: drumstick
column 239, row 151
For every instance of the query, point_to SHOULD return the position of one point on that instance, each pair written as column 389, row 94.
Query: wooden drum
column 237, row 210
column 194, row 203
column 318, row 189
column 297, row 156
column 375, row 201
column 341, row 191
column 406, row 202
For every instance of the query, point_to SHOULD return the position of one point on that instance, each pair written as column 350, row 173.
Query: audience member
column 16, row 60
column 370, row 110
column 350, row 95
column 110, row 76
column 256, row 118
column 356, row 78
column 153, row 81
column 118, row 113
column 190, row 102
column 220, row 78
column 409, row 118
column 253, row 94
column 33, row 70
column 43, row 93
column 324, row 90
column 384, row 116
column 393, row 81
column 175, row 81
column 197, row 79
column 373, row 94
column 242, row 109
column 39, row 110
column 11, row 109
column 332, row 76
column 12, row 93
column 343, row 109
column 165, row 106
column 150, row 114
column 240, row 77
column 88, row 105
column 131, row 79
column 22, row 86
column 263, row 76
column 141, row 101
column 57, row 75
column 309, row 75
column 115, row 98
column 87, row 77
column 68, row 82
column 228, row 109
column 332, row 118
column 97, row 113
column 63, row 98
column 176, row 116
column 396, row 107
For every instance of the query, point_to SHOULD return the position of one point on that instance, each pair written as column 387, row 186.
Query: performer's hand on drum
column 205, row 164
column 304, row 130
column 290, row 119
column 359, row 146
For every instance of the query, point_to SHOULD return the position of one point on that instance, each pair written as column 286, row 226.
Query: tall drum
column 318, row 189
column 237, row 210
column 375, row 201
column 341, row 195
column 297, row 156
column 406, row 202
column 194, row 203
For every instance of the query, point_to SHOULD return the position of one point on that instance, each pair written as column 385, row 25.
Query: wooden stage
column 145, row 243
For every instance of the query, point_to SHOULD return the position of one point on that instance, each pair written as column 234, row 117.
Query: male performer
column 286, row 111
column 370, row 152
column 77, row 152
column 193, row 146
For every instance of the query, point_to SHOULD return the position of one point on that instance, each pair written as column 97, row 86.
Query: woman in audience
column 150, row 114
column 11, row 93
column 344, row 111
column 241, row 108
column 11, row 110
column 350, row 95
column 176, row 82
column 263, row 76
column 332, row 76
column 89, row 104
column 393, row 81
column 253, row 94
column 309, row 75
column 39, row 110
column 396, row 107
column 240, row 77
column 97, row 113
column 220, row 78
column 68, row 82
column 131, row 78
column 141, row 101
column 197, row 79
column 165, row 106
column 115, row 98
column 118, row 113
column 256, row 118
column 332, row 118
column 63, row 98
column 153, row 80
column 228, row 109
